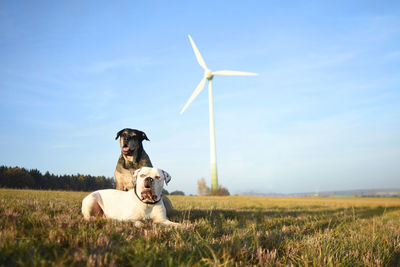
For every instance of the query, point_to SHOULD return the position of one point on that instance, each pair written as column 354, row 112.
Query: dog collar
column 151, row 203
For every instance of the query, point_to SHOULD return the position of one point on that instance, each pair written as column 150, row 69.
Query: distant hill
column 393, row 192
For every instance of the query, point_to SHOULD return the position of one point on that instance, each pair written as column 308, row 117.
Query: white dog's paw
column 188, row 226
column 138, row 224
column 169, row 223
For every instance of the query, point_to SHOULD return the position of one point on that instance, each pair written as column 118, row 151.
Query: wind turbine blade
column 234, row 73
column 198, row 55
column 195, row 93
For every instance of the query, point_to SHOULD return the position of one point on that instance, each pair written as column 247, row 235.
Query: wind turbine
column 208, row 75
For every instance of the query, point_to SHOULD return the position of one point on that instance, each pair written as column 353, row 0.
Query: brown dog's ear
column 144, row 136
column 119, row 134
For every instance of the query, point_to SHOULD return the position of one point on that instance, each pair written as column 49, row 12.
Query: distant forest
column 15, row 177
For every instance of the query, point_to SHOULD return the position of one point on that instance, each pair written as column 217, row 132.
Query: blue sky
column 324, row 114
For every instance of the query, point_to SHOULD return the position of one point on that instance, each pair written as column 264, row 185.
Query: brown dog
column 133, row 157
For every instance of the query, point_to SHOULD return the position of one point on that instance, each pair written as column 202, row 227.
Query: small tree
column 202, row 188
column 177, row 193
column 221, row 191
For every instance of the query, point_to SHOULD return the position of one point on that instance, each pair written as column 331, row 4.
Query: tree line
column 15, row 177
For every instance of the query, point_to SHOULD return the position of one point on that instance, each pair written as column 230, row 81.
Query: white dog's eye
column 158, row 177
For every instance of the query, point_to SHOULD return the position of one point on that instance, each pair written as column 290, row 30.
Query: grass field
column 46, row 228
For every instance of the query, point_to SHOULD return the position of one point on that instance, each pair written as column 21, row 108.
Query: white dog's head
column 149, row 183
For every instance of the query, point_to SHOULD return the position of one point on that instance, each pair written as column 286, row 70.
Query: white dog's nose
column 147, row 182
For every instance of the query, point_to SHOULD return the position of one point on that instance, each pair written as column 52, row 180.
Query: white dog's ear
column 136, row 173
column 166, row 176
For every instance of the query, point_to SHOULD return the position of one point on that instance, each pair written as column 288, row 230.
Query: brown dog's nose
column 147, row 182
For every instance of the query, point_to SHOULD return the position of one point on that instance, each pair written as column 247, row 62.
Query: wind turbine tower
column 208, row 75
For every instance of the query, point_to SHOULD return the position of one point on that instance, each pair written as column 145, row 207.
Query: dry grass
column 46, row 228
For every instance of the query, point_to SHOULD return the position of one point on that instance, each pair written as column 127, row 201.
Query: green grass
column 46, row 228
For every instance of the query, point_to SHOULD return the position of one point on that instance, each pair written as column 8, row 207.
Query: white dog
column 141, row 202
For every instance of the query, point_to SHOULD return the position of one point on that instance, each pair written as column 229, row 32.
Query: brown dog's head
column 131, row 142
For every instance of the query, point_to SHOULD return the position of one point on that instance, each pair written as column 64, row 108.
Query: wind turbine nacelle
column 208, row 74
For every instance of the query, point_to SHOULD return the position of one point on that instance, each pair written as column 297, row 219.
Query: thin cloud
column 136, row 64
